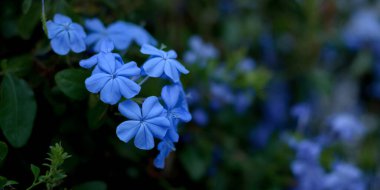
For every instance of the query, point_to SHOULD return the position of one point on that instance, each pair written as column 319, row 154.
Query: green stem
column 43, row 17
column 143, row 81
column 34, row 184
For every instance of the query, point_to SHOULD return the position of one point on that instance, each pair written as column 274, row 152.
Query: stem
column 143, row 81
column 33, row 185
column 43, row 17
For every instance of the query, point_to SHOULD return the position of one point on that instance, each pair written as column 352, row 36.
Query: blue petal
column 151, row 50
column 96, row 82
column 78, row 29
column 94, row 25
column 159, row 161
column 120, row 33
column 53, row 29
column 154, row 67
column 129, row 69
column 141, row 36
column 172, row 134
column 144, row 139
column 170, row 95
column 61, row 19
column 89, row 63
column 60, row 43
column 128, row 88
column 151, row 108
column 76, row 43
column 172, row 54
column 92, row 38
column 127, row 130
column 178, row 65
column 182, row 114
column 107, row 62
column 171, row 72
column 106, row 46
column 110, row 94
column 158, row 126
column 130, row 110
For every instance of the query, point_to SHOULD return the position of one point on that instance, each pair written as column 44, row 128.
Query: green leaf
column 17, row 110
column 26, row 6
column 19, row 65
column 35, row 170
column 71, row 83
column 91, row 185
column 28, row 22
column 195, row 162
column 3, row 151
column 5, row 182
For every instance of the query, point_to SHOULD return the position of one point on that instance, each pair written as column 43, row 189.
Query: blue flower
column 345, row 176
column 120, row 33
column 165, row 147
column 200, row 52
column 347, row 127
column 105, row 48
column 200, row 117
column 161, row 63
column 246, row 65
column 111, row 79
column 176, row 108
column 144, row 124
column 65, row 35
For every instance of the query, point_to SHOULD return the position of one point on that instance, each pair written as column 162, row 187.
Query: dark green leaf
column 28, row 22
column 91, row 185
column 5, row 182
column 194, row 163
column 35, row 171
column 96, row 114
column 26, row 6
column 19, row 65
column 3, row 151
column 71, row 83
column 17, row 110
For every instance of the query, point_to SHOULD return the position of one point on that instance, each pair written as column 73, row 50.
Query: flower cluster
column 115, row 81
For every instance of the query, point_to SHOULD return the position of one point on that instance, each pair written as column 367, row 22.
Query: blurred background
column 283, row 94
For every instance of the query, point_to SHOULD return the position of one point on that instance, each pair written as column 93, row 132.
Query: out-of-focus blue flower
column 344, row 176
column 200, row 52
column 221, row 95
column 302, row 113
column 269, row 53
column 200, row 117
column 243, row 100
column 176, row 110
column 193, row 95
column 162, row 63
column 65, row 35
column 363, row 27
column 111, row 79
column 306, row 166
column 347, row 127
column 276, row 104
column 246, row 65
column 144, row 124
column 165, row 147
column 120, row 33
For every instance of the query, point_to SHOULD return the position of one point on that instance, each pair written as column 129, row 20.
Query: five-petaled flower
column 65, row 35
column 144, row 124
column 161, row 63
column 111, row 78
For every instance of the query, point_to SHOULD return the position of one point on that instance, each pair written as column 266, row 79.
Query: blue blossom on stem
column 162, row 63
column 65, row 35
column 176, row 108
column 165, row 147
column 120, row 33
column 200, row 52
column 347, row 127
column 112, row 79
column 145, row 123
